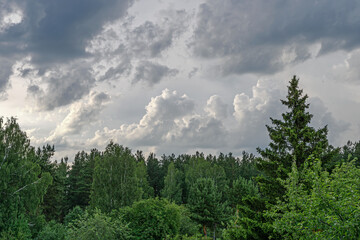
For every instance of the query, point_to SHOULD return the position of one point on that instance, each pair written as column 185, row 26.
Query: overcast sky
column 169, row 76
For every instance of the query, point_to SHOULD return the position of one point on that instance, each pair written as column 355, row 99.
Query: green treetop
column 292, row 139
column 114, row 180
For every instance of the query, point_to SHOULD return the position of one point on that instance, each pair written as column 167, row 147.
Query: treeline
column 299, row 187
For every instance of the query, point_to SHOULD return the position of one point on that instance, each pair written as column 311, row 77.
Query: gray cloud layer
column 152, row 73
column 257, row 36
column 54, row 31
column 54, row 34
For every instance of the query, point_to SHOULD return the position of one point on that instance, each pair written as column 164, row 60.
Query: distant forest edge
column 300, row 187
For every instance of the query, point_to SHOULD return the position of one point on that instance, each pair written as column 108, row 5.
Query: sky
column 169, row 76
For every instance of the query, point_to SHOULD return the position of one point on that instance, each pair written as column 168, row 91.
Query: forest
column 298, row 187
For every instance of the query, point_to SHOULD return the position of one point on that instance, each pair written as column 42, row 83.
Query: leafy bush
column 98, row 226
column 319, row 205
column 52, row 231
column 153, row 219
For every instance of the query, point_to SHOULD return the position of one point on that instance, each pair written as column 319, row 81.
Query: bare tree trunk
column 204, row 229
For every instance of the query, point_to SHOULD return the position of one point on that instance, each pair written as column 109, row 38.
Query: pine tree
column 205, row 204
column 292, row 139
column 154, row 174
column 54, row 206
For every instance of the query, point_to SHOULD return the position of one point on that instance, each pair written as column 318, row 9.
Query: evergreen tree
column 154, row 174
column 241, row 189
column 292, row 139
column 81, row 178
column 55, row 203
column 247, row 166
column 230, row 164
column 198, row 167
column 205, row 204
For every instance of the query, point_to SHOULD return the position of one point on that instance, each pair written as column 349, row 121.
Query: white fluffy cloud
column 81, row 114
column 216, row 107
column 169, row 120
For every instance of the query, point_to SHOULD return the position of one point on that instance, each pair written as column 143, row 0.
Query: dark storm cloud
column 5, row 72
column 263, row 36
column 55, row 34
column 152, row 73
column 151, row 39
column 54, row 31
column 63, row 87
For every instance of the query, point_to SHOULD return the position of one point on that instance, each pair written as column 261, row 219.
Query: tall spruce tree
column 292, row 139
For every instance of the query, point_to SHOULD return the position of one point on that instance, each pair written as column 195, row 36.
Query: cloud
column 216, row 108
column 81, row 114
column 55, row 32
column 5, row 72
column 124, row 48
column 54, row 35
column 252, row 113
column 265, row 36
column 62, row 86
column 152, row 73
column 349, row 69
column 322, row 117
column 151, row 39
column 170, row 120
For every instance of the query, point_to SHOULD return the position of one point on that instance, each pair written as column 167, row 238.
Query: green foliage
column 54, row 206
column 235, row 167
column 80, row 179
column 142, row 182
column 319, row 205
column 22, row 182
column 97, row 226
column 154, row 174
column 247, row 166
column 52, row 231
column 240, row 189
column 205, row 204
column 115, row 183
column 17, row 229
column 197, row 168
column 187, row 225
column 350, row 151
column 172, row 189
column 153, row 219
column 292, row 139
column 249, row 221
column 74, row 215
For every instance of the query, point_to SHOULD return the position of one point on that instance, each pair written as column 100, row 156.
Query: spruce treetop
column 292, row 139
